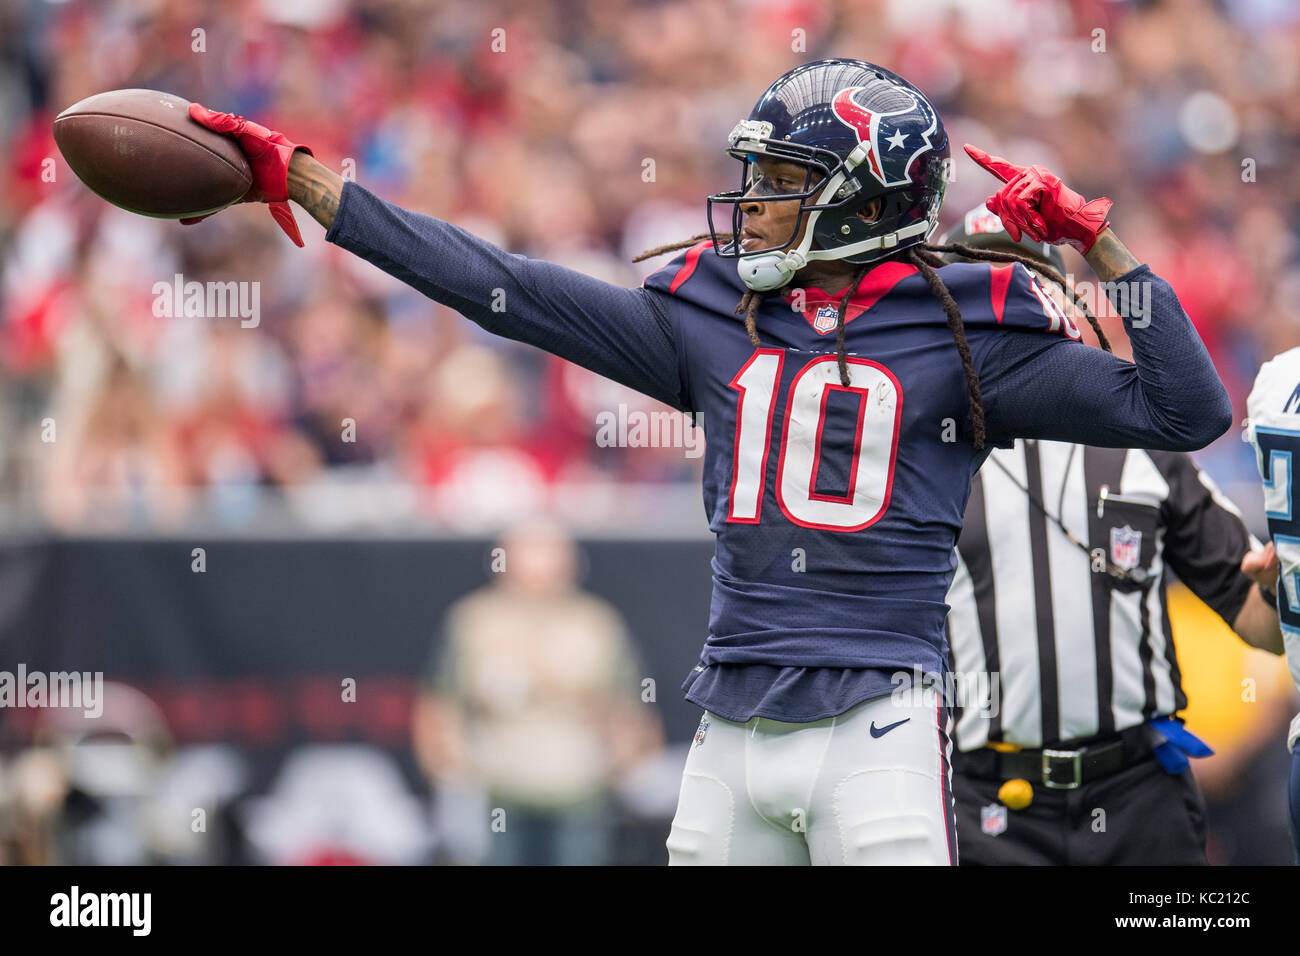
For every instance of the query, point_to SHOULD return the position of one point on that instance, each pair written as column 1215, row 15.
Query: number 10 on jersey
column 875, row 441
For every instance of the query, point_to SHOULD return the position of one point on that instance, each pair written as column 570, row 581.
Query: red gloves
column 268, row 153
column 1035, row 201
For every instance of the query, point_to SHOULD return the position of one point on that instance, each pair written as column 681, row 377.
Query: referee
column 1059, row 596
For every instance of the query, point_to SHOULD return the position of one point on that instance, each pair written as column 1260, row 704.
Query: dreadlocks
column 1044, row 270
column 926, row 263
column 926, row 258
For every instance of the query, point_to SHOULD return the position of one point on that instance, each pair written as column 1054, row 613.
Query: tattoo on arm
column 315, row 187
column 1110, row 258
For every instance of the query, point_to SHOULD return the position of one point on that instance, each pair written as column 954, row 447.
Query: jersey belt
column 1058, row 768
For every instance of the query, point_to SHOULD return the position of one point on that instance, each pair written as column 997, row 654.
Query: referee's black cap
column 984, row 230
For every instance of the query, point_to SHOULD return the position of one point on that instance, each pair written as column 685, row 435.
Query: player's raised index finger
column 999, row 167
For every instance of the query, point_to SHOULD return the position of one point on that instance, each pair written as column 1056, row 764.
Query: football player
column 848, row 403
column 1273, row 427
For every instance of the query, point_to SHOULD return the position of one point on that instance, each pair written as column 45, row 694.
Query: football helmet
column 861, row 132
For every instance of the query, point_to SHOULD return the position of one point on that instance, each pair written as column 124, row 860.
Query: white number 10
column 875, row 442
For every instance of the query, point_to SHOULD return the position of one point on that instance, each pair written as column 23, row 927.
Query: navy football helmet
column 861, row 132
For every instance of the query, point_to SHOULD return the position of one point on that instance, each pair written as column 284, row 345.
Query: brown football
column 140, row 150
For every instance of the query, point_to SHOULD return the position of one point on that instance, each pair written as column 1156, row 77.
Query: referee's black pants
column 1141, row 816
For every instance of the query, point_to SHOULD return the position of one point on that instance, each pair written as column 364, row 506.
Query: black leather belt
column 1061, row 767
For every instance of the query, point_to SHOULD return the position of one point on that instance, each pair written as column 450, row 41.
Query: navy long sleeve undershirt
column 622, row 334
column 1168, row 398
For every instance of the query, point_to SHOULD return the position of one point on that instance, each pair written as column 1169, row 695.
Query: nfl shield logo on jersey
column 827, row 317
column 1125, row 546
column 993, row 819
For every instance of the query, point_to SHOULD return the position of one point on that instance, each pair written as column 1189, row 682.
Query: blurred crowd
column 580, row 131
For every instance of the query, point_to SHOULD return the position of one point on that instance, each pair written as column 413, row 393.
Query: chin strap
column 765, row 271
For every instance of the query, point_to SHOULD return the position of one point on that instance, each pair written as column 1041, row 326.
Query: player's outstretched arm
column 315, row 187
column 623, row 334
column 627, row 335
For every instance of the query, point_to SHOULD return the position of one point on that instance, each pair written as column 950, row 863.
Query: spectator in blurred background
column 534, row 700
column 85, row 791
column 591, row 132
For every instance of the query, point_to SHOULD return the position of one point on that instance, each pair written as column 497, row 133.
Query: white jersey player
column 1274, row 430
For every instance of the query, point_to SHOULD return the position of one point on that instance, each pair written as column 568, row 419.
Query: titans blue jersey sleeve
column 1273, row 428
column 624, row 334
column 1039, row 381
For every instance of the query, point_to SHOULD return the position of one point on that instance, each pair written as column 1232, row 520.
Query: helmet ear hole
column 871, row 210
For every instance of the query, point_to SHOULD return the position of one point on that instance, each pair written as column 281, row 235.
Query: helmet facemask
column 829, row 202
column 747, row 143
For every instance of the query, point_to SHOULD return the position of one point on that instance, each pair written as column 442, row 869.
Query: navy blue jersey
column 836, row 509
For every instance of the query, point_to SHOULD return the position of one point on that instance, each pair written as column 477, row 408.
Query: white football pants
column 871, row 786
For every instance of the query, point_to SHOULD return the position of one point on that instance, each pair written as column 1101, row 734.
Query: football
column 140, row 150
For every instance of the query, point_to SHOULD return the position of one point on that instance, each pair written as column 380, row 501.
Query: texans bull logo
column 894, row 138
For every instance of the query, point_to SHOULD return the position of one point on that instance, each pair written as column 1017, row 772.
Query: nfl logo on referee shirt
column 1125, row 546
column 827, row 317
column 993, row 819
column 704, row 729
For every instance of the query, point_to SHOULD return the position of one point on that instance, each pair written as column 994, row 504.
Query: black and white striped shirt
column 1080, row 652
